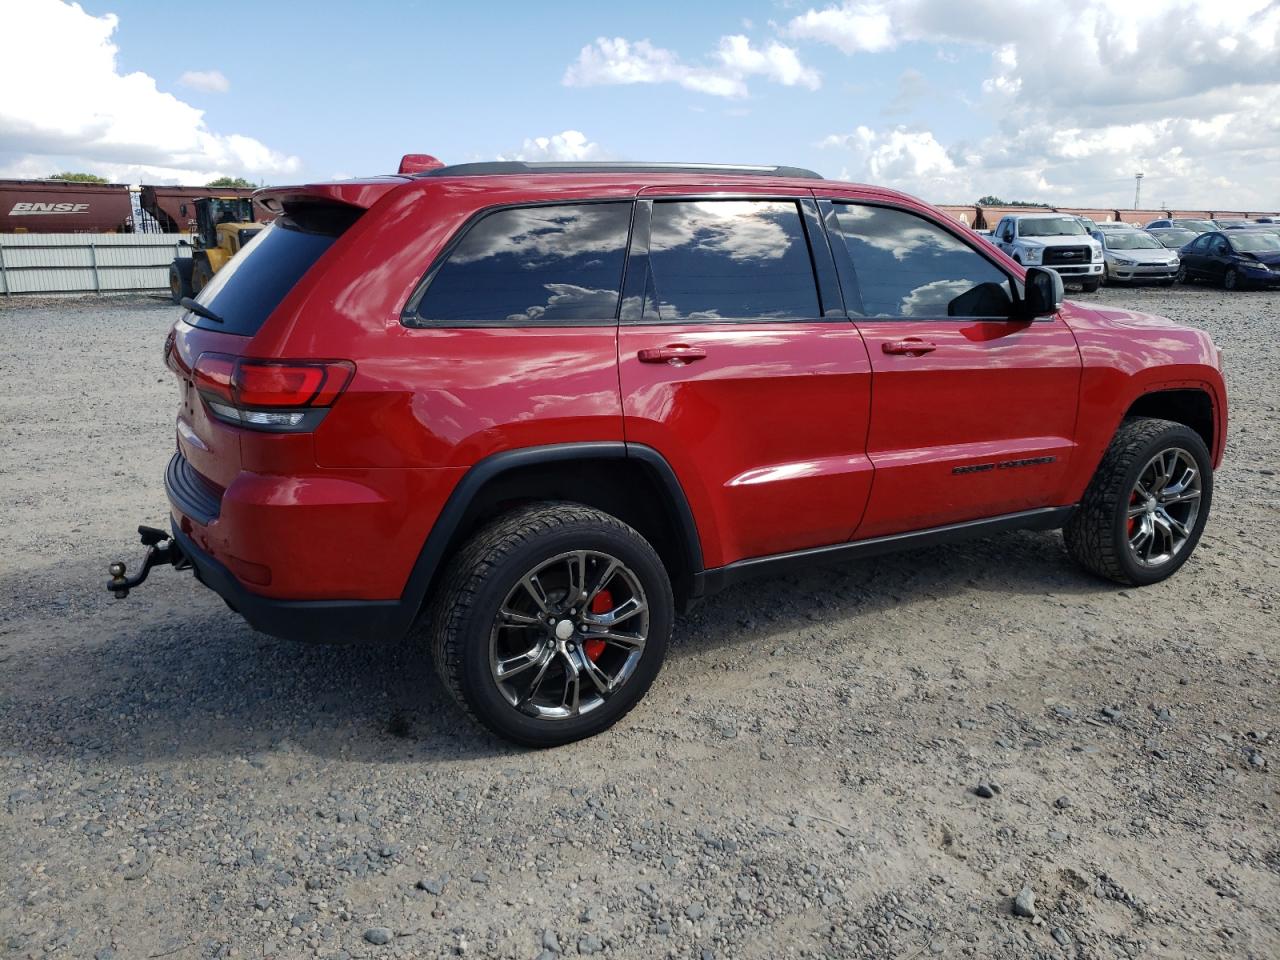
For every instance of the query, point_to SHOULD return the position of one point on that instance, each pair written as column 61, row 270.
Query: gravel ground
column 898, row 758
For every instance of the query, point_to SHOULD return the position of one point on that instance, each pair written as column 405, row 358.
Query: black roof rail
column 501, row 167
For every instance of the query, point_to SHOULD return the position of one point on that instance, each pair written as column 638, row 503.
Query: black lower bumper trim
column 313, row 621
column 193, row 494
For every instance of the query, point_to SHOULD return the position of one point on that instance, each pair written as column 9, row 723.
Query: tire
column 487, row 575
column 1231, row 279
column 1184, row 276
column 201, row 274
column 1090, row 286
column 1098, row 533
column 179, row 279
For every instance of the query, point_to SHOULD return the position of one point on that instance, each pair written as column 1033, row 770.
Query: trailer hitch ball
column 118, row 584
column 161, row 551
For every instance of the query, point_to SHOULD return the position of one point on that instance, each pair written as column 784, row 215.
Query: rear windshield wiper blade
column 200, row 310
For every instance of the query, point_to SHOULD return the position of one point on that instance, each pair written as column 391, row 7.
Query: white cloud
column 620, row 61
column 86, row 114
column 912, row 159
column 210, row 81
column 1082, row 96
column 775, row 62
column 567, row 145
column 854, row 27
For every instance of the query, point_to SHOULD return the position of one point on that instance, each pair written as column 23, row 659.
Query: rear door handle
column 676, row 354
column 912, row 346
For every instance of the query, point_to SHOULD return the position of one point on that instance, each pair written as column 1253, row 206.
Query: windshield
column 1176, row 238
column 1132, row 240
column 1259, row 242
column 1051, row 227
column 1200, row 226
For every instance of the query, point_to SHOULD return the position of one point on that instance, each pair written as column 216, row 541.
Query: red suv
column 540, row 408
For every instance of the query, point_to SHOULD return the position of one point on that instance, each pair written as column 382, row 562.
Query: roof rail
column 507, row 167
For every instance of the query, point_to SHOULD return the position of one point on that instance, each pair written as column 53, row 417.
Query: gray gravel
column 172, row 784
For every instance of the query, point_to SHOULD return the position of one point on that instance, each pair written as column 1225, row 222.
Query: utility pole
column 1137, row 191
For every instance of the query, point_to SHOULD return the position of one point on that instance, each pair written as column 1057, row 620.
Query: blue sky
column 946, row 100
column 350, row 92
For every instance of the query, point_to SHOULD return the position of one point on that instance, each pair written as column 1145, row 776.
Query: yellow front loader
column 223, row 226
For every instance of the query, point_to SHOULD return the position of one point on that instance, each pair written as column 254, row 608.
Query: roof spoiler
column 354, row 193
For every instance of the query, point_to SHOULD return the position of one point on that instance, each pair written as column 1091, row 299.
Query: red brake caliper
column 601, row 603
column 1133, row 521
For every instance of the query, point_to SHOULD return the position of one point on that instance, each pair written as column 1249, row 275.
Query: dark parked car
column 1173, row 237
column 1238, row 258
column 1185, row 223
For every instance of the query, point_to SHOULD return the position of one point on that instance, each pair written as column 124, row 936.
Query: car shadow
column 178, row 676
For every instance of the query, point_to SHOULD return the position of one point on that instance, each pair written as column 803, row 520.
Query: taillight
column 276, row 395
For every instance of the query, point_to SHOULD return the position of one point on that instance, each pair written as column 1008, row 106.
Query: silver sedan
column 1132, row 255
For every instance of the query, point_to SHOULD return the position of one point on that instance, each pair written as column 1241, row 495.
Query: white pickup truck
column 1055, row 240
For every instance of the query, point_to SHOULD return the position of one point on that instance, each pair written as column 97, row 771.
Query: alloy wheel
column 569, row 635
column 1230, row 280
column 1163, row 507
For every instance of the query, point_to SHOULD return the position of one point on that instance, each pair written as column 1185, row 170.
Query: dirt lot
column 799, row 782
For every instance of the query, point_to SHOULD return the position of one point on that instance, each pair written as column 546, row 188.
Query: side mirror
column 1043, row 292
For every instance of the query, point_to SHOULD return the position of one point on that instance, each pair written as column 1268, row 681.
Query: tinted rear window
column 246, row 290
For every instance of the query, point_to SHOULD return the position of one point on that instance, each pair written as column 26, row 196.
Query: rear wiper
column 200, row 310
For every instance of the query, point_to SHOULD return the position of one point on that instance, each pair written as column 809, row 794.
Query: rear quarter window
column 551, row 264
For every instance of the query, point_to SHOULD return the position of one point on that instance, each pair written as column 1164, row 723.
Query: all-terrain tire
column 180, row 279
column 1096, row 534
column 1091, row 286
column 483, row 572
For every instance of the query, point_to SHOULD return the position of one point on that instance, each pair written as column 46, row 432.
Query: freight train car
column 175, row 207
column 64, row 206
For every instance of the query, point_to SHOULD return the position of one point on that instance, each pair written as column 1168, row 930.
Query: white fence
column 87, row 262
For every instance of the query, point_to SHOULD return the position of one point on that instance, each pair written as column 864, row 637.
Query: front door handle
column 676, row 354
column 912, row 346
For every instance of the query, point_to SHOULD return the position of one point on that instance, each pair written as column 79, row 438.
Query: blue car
column 1234, row 259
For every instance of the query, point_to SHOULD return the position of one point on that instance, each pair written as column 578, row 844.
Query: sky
column 948, row 100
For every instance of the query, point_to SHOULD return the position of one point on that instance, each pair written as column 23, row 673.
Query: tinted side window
column 536, row 265
column 731, row 259
column 906, row 266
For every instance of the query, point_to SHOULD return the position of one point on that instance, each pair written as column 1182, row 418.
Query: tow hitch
column 161, row 550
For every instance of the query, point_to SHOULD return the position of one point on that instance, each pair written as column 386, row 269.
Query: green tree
column 237, row 182
column 993, row 201
column 78, row 177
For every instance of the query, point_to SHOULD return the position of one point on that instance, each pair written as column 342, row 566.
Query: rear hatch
column 207, row 347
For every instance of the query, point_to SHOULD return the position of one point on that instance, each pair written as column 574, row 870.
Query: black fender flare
column 435, row 549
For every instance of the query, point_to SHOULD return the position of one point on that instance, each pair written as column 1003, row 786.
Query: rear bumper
column 314, row 621
column 324, row 557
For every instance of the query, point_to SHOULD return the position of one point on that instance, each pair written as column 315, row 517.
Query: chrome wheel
column 569, row 635
column 1163, row 507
